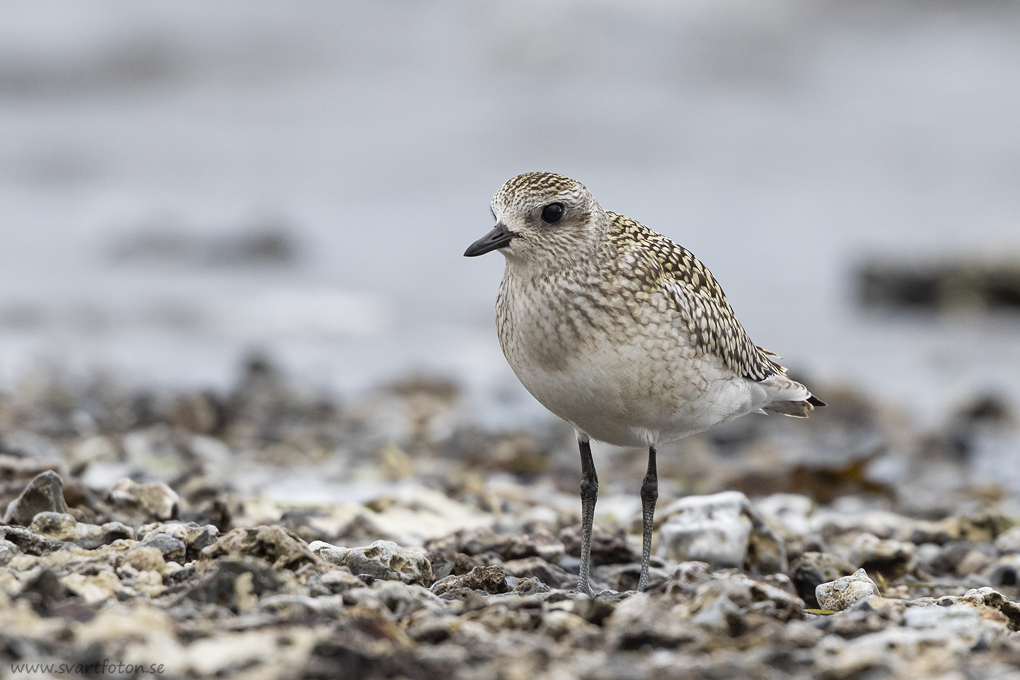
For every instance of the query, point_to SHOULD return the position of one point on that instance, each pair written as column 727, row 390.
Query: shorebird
column 621, row 332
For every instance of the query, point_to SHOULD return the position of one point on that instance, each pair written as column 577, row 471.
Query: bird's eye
column 552, row 213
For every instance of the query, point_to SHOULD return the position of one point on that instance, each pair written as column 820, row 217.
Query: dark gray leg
column 649, row 494
column 589, row 494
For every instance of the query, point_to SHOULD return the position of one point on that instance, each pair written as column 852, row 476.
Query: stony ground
column 274, row 533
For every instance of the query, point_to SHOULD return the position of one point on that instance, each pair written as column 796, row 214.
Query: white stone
column 843, row 592
column 712, row 529
column 1008, row 542
column 721, row 529
column 791, row 511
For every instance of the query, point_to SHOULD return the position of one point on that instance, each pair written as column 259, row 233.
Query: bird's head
column 543, row 219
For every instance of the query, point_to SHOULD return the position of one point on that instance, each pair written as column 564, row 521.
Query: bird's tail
column 789, row 397
column 797, row 409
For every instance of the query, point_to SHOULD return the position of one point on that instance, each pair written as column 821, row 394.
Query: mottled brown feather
column 699, row 301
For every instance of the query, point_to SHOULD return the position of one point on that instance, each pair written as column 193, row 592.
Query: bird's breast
column 610, row 363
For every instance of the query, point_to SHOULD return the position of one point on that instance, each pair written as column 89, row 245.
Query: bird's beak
column 499, row 237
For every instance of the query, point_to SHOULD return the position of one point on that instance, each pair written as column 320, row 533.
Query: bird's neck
column 578, row 265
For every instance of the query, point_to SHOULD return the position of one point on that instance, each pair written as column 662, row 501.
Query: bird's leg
column 589, row 494
column 649, row 494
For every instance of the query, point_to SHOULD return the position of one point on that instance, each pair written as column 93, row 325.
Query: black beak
column 499, row 237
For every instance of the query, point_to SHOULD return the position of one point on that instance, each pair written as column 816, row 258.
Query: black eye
column 552, row 213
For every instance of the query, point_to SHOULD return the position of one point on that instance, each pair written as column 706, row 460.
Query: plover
column 621, row 332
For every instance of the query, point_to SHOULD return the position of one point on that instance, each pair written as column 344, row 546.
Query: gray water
column 782, row 142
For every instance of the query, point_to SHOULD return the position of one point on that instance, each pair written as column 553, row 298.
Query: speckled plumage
column 620, row 331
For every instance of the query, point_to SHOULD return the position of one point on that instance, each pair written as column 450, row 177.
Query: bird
column 622, row 333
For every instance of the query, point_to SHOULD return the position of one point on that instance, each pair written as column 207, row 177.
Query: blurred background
column 233, row 292
column 183, row 182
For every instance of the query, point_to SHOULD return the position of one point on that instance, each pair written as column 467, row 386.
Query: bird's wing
column 701, row 307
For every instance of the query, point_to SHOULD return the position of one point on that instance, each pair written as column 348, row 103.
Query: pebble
column 491, row 579
column 63, row 527
column 45, row 493
column 1008, row 542
column 144, row 502
column 843, row 592
column 889, row 557
column 721, row 530
column 466, row 571
column 1004, row 572
column 812, row 569
column 382, row 559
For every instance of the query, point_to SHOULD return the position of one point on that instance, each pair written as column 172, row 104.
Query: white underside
column 617, row 395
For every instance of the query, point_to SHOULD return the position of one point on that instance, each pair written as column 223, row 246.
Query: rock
column 641, row 621
column 981, row 527
column 540, row 544
column 404, row 599
column 283, row 548
column 143, row 502
column 1008, row 542
column 209, row 503
column 43, row 589
column 791, row 511
column 441, row 567
column 1004, row 572
column 16, row 471
column 988, row 597
column 93, row 588
column 45, row 493
column 508, row 546
column 330, row 553
column 974, row 561
column 956, row 618
column 888, row 557
column 63, row 527
column 8, row 550
column 622, row 577
column 606, row 548
column 383, row 559
column 145, row 558
column 28, row 542
column 595, row 609
column 766, row 550
column 234, row 582
column 1011, row 610
column 685, row 580
column 945, row 559
column 379, row 649
column 54, row 525
column 721, row 530
column 340, row 580
column 721, row 615
column 491, row 579
column 524, row 587
column 843, row 592
column 812, row 569
column 172, row 549
column 194, row 536
column 891, row 653
column 558, row 624
column 746, row 595
column 535, row 567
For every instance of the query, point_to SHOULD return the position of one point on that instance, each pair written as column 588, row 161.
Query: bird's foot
column 583, row 588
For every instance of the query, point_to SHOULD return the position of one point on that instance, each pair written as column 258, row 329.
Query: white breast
column 619, row 379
